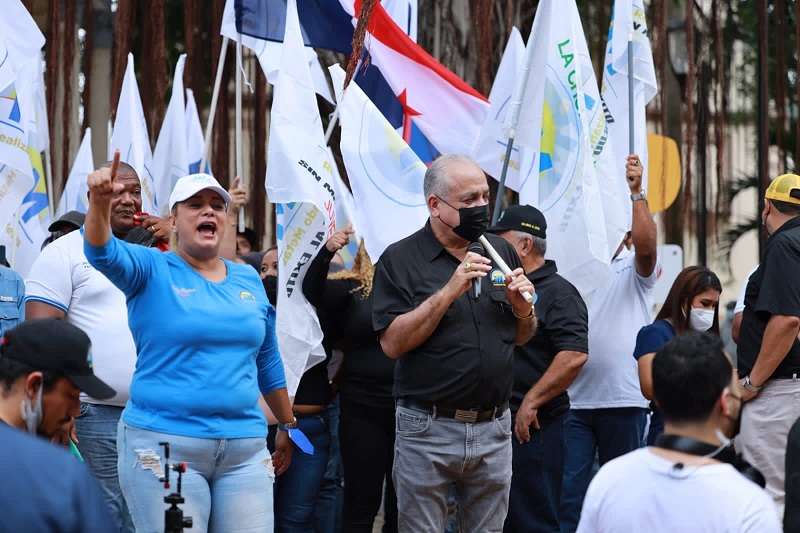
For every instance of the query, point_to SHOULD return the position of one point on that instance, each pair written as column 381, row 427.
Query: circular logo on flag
column 560, row 144
column 390, row 164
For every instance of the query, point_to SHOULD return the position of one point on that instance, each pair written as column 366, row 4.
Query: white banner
column 567, row 190
column 298, row 171
column 628, row 19
column 130, row 136
column 170, row 159
column 194, row 135
column 75, row 195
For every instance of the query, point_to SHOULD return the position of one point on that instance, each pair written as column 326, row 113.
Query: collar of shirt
column 788, row 225
column 545, row 271
column 429, row 244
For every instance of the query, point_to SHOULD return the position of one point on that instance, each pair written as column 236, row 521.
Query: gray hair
column 436, row 178
column 538, row 244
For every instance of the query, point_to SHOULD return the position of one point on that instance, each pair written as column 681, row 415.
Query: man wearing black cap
column 44, row 364
column 543, row 369
column 66, row 223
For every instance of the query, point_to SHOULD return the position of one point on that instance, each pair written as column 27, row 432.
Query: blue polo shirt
column 46, row 489
column 12, row 299
column 205, row 349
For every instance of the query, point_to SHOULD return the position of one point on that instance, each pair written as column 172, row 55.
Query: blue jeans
column 330, row 500
column 608, row 433
column 537, row 469
column 227, row 485
column 296, row 491
column 97, row 434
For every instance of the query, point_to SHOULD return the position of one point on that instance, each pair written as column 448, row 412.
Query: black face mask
column 473, row 221
column 271, row 287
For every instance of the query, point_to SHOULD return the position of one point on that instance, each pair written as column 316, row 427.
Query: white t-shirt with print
column 62, row 277
column 641, row 491
column 617, row 311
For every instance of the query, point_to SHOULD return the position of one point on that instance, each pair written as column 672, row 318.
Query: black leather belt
column 468, row 416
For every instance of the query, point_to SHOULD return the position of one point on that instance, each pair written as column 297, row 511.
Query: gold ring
column 467, row 266
column 152, row 229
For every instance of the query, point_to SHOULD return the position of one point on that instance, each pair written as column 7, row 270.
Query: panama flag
column 445, row 108
column 628, row 19
column 567, row 190
column 299, row 176
column 131, row 139
column 75, row 195
column 385, row 174
column 194, row 135
column 170, row 159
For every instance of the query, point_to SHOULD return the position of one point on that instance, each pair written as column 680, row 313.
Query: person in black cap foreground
column 44, row 364
column 543, row 369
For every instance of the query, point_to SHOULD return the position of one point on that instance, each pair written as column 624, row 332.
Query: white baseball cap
column 188, row 186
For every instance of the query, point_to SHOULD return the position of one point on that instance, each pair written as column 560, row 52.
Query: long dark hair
column 690, row 282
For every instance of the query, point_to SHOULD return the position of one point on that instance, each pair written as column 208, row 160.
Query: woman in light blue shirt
column 205, row 338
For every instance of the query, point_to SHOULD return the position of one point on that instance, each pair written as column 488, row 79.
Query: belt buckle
column 469, row 417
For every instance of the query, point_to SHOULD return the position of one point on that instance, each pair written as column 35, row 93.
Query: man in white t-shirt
column 684, row 483
column 62, row 284
column 608, row 413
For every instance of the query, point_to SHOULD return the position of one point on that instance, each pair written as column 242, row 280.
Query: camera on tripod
column 174, row 521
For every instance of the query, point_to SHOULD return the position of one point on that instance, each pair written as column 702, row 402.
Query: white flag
column 566, row 190
column 75, row 194
column 20, row 69
column 628, row 19
column 298, row 171
column 130, row 136
column 170, row 159
column 194, row 135
column 490, row 146
column 385, row 174
column 345, row 215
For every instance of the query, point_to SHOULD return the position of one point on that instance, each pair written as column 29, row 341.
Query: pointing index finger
column 114, row 165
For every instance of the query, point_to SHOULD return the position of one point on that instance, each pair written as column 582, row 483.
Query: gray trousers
column 432, row 454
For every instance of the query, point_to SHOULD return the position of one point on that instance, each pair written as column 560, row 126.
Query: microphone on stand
column 475, row 291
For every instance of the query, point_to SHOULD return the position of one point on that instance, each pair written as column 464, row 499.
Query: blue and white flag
column 567, row 189
column 628, row 19
column 385, row 174
column 131, row 139
column 20, row 71
column 262, row 23
column 194, row 135
column 299, row 171
column 75, row 194
column 170, row 159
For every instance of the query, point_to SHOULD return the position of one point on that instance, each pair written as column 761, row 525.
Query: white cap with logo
column 188, row 186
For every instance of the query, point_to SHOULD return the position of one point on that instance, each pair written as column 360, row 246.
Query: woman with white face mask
column 692, row 305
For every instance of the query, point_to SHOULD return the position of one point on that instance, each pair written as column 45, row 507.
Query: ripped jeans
column 228, row 484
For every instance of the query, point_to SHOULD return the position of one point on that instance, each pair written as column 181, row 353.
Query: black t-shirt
column 467, row 361
column 563, row 326
column 773, row 289
column 367, row 374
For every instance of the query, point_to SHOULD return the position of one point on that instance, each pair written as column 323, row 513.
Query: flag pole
column 213, row 109
column 512, row 120
column 239, row 162
column 51, row 194
column 332, row 123
column 631, row 143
